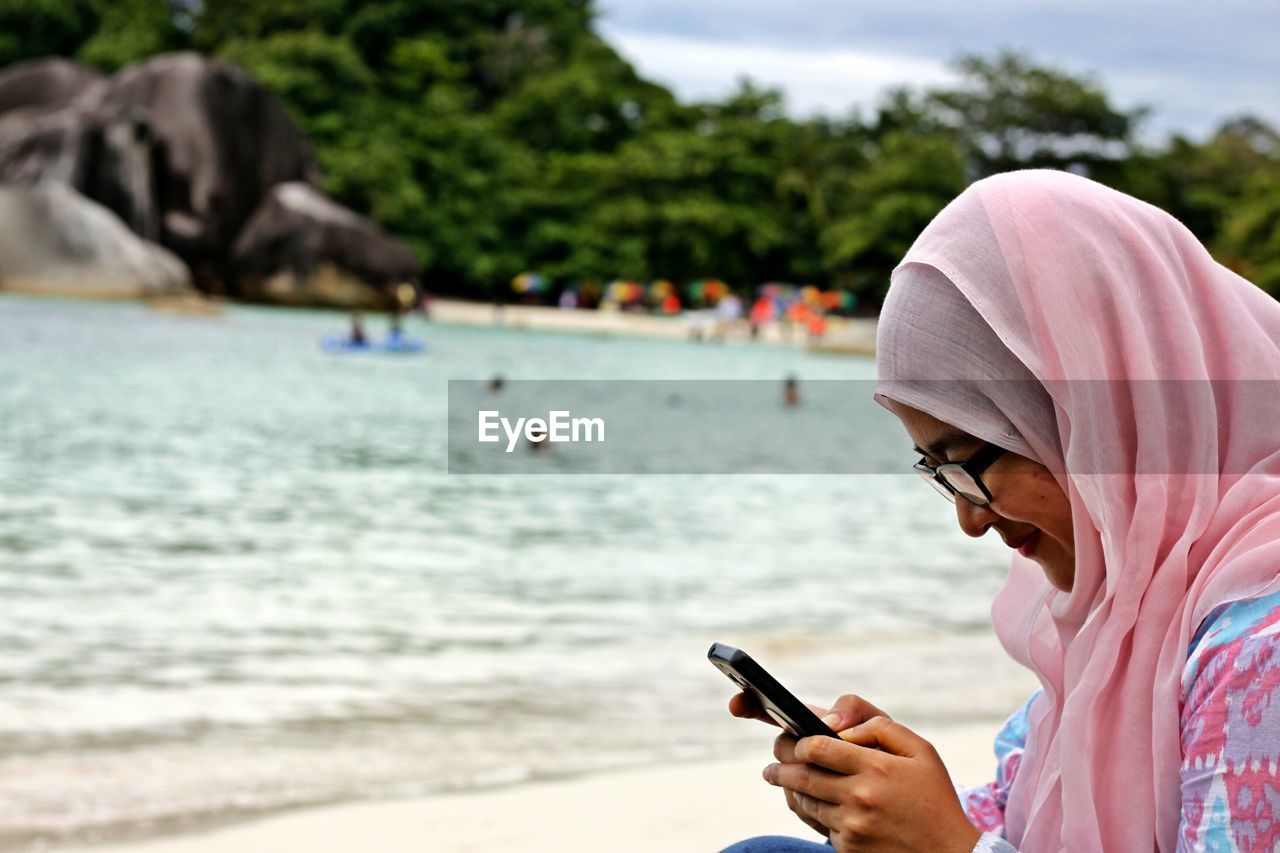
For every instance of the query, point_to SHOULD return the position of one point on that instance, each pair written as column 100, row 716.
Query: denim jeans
column 777, row 844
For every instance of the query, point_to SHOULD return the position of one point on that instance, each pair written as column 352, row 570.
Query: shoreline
column 845, row 335
column 696, row 806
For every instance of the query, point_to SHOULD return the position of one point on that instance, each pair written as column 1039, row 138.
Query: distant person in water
column 393, row 333
column 495, row 384
column 791, row 391
column 357, row 329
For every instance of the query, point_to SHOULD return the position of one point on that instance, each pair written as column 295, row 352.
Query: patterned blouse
column 1230, row 738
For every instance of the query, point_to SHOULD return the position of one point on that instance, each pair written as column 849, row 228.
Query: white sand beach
column 845, row 335
column 700, row 806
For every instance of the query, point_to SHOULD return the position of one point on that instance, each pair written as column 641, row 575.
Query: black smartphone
column 777, row 701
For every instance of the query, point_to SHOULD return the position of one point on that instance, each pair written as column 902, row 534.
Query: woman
column 1073, row 368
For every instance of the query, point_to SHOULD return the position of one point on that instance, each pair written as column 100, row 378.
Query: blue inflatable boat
column 392, row 343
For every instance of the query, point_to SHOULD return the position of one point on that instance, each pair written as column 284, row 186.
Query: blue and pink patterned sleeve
column 985, row 803
column 1231, row 731
column 1230, row 724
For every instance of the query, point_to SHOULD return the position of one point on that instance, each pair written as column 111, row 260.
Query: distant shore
column 844, row 335
column 856, row 335
column 699, row 807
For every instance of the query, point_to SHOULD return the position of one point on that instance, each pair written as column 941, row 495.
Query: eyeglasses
column 962, row 478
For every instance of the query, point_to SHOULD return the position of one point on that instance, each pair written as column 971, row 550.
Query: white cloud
column 826, row 81
column 1194, row 64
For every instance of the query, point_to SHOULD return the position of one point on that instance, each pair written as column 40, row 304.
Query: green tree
column 696, row 198
column 1250, row 238
column 1011, row 113
column 1237, row 175
column 32, row 28
column 222, row 22
column 320, row 78
column 592, row 103
column 907, row 179
column 130, row 30
column 1207, row 184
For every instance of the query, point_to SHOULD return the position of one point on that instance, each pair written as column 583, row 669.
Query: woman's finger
column 885, row 734
column 818, row 810
column 818, row 710
column 850, row 710
column 746, row 705
column 784, row 748
column 804, row 779
column 847, row 759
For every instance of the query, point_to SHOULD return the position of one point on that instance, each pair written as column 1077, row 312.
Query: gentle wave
column 236, row 578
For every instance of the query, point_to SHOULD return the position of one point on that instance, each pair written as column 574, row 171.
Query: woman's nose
column 974, row 520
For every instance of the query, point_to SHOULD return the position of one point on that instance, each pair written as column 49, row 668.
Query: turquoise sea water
column 236, row 577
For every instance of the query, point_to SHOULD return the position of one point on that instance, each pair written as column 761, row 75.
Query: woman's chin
column 1058, row 570
column 1060, row 576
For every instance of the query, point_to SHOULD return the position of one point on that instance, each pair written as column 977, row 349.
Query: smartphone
column 777, row 701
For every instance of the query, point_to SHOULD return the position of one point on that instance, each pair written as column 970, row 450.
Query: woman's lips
column 1029, row 544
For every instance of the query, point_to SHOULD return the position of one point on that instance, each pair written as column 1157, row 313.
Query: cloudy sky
column 1193, row 61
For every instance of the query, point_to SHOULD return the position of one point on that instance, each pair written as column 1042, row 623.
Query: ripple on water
column 237, row 579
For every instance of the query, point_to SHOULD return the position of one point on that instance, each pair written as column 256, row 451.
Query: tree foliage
column 129, row 30
column 498, row 136
column 31, row 28
column 1013, row 114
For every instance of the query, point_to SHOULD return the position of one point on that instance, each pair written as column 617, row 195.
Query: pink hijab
column 1174, row 485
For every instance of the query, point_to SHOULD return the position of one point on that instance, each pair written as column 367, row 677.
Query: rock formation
column 55, row 241
column 52, row 127
column 49, row 82
column 302, row 248
column 184, row 149
column 219, row 141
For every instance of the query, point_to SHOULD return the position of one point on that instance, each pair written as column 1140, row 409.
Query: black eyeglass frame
column 971, row 467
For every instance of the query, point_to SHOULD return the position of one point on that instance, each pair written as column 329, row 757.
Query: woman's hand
column 881, row 788
column 784, row 747
column 848, row 710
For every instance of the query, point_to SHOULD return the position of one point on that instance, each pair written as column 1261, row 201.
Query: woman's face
column 1026, row 500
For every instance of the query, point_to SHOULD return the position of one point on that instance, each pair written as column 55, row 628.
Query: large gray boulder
column 53, row 128
column 55, row 241
column 183, row 147
column 302, row 248
column 49, row 82
column 47, row 120
column 221, row 141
